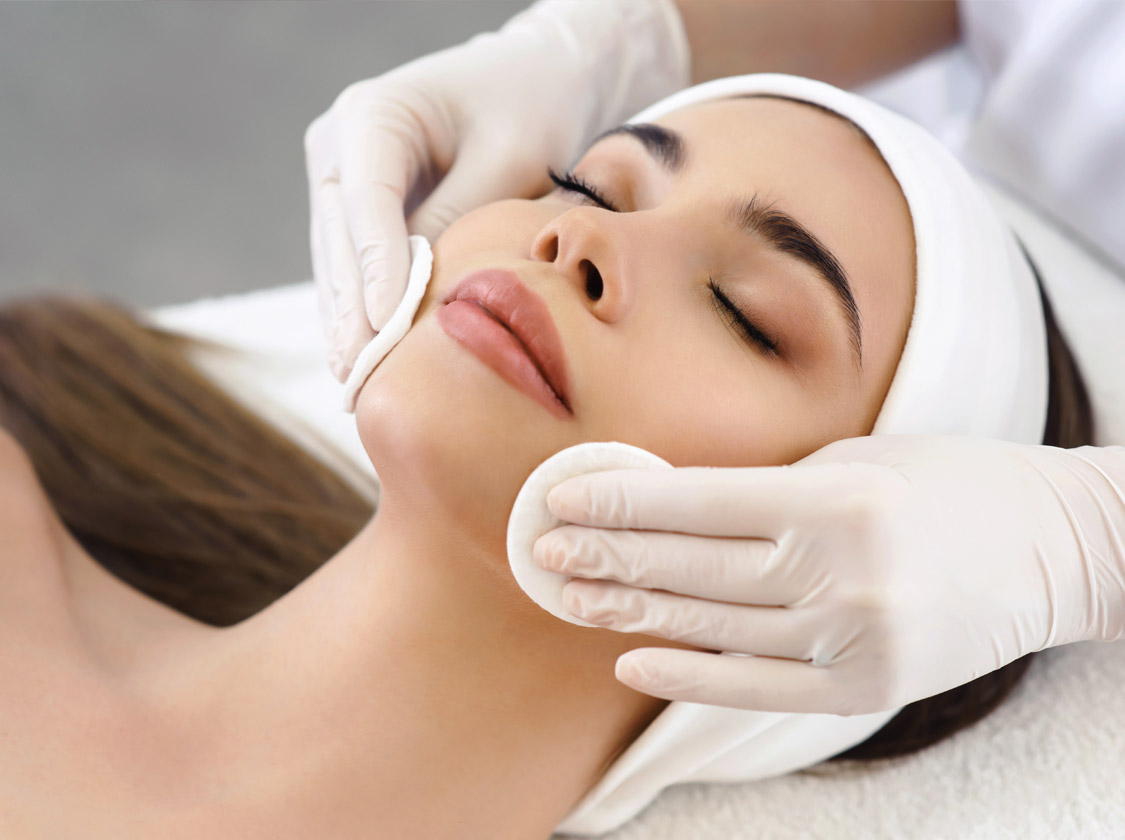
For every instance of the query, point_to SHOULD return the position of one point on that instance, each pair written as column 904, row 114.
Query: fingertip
column 572, row 601
column 549, row 553
column 377, row 301
column 384, row 287
column 340, row 369
column 351, row 333
column 556, row 503
column 425, row 226
column 636, row 670
column 565, row 499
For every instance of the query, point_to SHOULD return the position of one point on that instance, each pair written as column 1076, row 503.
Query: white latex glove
column 875, row 572
column 485, row 119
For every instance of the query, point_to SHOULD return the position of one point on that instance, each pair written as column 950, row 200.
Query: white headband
column 974, row 363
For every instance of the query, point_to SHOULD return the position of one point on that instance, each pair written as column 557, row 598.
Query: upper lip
column 505, row 297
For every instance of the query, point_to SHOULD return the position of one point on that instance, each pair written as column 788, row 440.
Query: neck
column 408, row 685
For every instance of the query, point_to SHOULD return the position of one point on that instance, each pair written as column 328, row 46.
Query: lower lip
column 487, row 339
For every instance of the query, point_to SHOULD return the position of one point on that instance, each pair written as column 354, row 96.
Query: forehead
column 822, row 170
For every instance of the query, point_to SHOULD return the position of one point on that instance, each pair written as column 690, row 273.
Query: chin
column 447, row 437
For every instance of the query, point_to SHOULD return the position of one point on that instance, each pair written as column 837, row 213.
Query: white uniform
column 1034, row 98
column 1051, row 122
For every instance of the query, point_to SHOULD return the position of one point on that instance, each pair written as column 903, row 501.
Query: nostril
column 551, row 251
column 594, row 286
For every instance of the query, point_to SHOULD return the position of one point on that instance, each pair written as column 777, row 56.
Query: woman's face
column 765, row 206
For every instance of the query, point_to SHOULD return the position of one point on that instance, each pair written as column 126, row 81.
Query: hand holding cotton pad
column 530, row 518
column 421, row 268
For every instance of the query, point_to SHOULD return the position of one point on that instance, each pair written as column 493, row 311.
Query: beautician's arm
column 842, row 42
column 482, row 121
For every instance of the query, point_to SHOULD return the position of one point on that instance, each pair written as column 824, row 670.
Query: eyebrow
column 665, row 145
column 756, row 218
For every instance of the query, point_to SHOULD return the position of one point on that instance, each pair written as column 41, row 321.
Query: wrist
column 1088, row 484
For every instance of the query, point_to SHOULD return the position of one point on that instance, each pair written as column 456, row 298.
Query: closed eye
column 737, row 320
column 574, row 183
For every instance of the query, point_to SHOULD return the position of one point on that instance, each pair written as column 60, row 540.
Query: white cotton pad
column 421, row 267
column 530, row 519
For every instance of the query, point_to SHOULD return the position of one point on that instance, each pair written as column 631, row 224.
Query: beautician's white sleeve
column 1051, row 124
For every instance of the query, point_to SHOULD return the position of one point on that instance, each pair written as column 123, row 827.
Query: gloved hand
column 875, row 572
column 486, row 119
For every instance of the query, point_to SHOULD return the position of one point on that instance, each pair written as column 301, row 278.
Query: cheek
column 502, row 227
column 697, row 402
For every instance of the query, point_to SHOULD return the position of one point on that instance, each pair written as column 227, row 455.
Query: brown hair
column 190, row 498
column 163, row 478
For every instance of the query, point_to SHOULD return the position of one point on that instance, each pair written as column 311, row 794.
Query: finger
column 384, row 256
column 320, row 169
column 478, row 176
column 379, row 162
column 757, row 502
column 350, row 328
column 741, row 682
column 761, row 631
column 326, row 301
column 743, row 571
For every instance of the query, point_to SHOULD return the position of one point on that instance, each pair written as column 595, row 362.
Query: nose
column 589, row 256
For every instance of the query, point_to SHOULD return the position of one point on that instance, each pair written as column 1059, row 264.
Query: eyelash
column 572, row 182
column 737, row 320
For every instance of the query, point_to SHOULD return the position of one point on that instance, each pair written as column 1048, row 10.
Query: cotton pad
column 421, row 267
column 530, row 519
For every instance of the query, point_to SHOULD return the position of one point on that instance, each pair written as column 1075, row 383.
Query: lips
column 526, row 351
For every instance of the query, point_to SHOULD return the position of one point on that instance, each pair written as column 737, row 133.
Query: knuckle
column 690, row 622
column 732, row 558
column 635, row 613
column 608, row 502
column 578, row 551
column 728, row 625
column 353, row 96
column 354, row 192
column 635, row 557
column 372, row 254
column 330, row 214
column 871, row 510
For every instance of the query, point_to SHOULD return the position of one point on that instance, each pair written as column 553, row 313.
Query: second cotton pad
column 421, row 267
column 530, row 518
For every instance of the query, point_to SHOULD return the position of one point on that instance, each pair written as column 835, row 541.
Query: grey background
column 154, row 151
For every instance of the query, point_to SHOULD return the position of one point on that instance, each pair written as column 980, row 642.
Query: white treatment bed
column 1050, row 763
